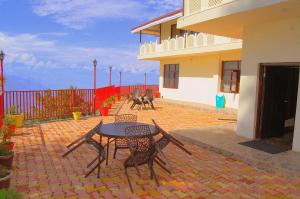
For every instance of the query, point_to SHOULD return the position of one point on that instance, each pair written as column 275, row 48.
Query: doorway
column 278, row 91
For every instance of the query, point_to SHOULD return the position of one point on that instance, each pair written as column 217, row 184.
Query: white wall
column 272, row 42
column 199, row 79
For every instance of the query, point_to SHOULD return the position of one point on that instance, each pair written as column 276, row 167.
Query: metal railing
column 47, row 104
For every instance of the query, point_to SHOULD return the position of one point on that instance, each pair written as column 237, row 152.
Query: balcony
column 188, row 44
column 193, row 6
column 229, row 17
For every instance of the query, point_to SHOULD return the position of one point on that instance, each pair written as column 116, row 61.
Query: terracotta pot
column 104, row 111
column 11, row 129
column 10, row 146
column 7, row 160
column 157, row 94
column 5, row 181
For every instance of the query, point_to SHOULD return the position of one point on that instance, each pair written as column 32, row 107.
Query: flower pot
column 11, row 129
column 104, row 111
column 7, row 160
column 118, row 97
column 5, row 181
column 10, row 146
column 76, row 115
column 157, row 94
column 19, row 119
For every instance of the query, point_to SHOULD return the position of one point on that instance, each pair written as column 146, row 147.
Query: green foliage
column 10, row 194
column 8, row 120
column 13, row 110
column 61, row 103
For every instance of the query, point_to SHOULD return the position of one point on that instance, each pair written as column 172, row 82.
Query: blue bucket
column 220, row 101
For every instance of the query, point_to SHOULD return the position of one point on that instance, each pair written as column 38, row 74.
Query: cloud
column 33, row 51
column 77, row 14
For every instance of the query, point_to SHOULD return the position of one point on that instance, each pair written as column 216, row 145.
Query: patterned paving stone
column 41, row 172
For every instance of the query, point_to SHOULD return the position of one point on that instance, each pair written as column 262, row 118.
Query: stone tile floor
column 41, row 172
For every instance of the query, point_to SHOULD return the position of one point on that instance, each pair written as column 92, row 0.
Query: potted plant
column 104, row 110
column 10, row 194
column 76, row 113
column 5, row 176
column 6, row 150
column 17, row 117
column 109, row 103
column 10, row 126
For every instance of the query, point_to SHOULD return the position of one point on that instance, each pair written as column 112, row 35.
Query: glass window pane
column 233, row 65
column 226, row 81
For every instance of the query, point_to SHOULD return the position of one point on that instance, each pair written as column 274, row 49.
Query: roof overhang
column 152, row 27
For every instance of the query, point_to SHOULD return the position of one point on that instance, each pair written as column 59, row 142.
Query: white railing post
column 204, row 4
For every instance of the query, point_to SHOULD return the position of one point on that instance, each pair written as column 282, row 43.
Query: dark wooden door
column 275, row 82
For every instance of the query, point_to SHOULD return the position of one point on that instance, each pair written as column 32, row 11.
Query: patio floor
column 41, row 172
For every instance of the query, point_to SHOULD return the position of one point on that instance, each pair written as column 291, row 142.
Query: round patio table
column 117, row 130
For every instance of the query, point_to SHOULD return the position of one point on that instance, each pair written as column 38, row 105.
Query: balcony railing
column 50, row 104
column 188, row 41
column 193, row 6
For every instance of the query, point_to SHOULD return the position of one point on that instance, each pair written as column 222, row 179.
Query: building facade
column 267, row 96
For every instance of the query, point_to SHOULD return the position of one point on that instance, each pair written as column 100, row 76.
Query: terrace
column 219, row 166
column 41, row 172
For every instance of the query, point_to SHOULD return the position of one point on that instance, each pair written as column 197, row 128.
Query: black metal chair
column 164, row 140
column 137, row 99
column 89, row 139
column 142, row 150
column 121, row 143
column 148, row 98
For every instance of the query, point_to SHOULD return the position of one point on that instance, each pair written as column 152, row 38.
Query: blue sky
column 52, row 43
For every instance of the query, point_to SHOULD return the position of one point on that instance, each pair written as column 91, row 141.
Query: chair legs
column 98, row 165
column 152, row 173
column 126, row 173
column 72, row 149
column 162, row 166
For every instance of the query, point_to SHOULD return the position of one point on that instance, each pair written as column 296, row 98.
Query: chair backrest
column 139, row 138
column 91, row 133
column 126, row 118
column 136, row 93
column 167, row 138
column 149, row 93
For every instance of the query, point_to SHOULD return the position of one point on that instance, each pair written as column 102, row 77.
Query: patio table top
column 117, row 129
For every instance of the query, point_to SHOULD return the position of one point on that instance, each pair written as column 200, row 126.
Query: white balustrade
column 187, row 41
column 193, row 6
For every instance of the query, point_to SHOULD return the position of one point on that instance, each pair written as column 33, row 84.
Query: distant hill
column 19, row 83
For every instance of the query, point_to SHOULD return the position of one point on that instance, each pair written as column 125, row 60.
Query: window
column 176, row 32
column 230, row 82
column 171, row 75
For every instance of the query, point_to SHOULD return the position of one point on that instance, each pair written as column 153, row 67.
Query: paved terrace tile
column 41, row 172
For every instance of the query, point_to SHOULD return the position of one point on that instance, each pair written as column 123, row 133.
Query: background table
column 117, row 130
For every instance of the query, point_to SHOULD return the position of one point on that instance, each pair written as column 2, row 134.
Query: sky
column 51, row 44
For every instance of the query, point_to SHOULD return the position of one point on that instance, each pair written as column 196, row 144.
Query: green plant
column 13, row 110
column 113, row 98
column 3, row 171
column 5, row 151
column 8, row 120
column 10, row 194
